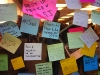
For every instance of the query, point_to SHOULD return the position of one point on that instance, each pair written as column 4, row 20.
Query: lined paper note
column 32, row 51
column 44, row 68
column 10, row 43
column 96, row 3
column 56, row 52
column 29, row 25
column 51, row 30
column 17, row 63
column 87, row 1
column 11, row 28
column 90, row 63
column 26, row 74
column 75, row 73
column 80, row 18
column 89, row 51
column 74, row 41
column 73, row 4
column 3, row 62
column 95, row 16
column 77, row 29
column 89, row 37
column 8, row 12
column 70, row 67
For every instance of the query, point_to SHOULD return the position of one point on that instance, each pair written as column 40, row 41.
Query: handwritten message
column 96, row 3
column 51, row 30
column 95, row 16
column 89, row 51
column 3, row 62
column 44, row 68
column 8, row 12
column 27, row 8
column 89, row 37
column 70, row 67
column 10, row 43
column 32, row 51
column 75, row 73
column 11, row 28
column 56, row 52
column 80, row 18
column 17, row 63
column 29, row 25
column 87, row 1
column 25, row 74
column 78, row 29
column 90, row 63
column 73, row 4
column 74, row 41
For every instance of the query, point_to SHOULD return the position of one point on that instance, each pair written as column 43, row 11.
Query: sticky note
column 87, row 1
column 96, row 3
column 11, row 28
column 70, row 67
column 74, row 41
column 95, row 16
column 17, row 63
column 89, row 51
column 56, row 52
column 27, row 7
column 32, row 51
column 77, row 29
column 44, row 68
column 29, row 25
column 8, row 12
column 80, row 18
column 89, row 37
column 51, row 30
column 99, row 73
column 75, row 73
column 47, row 9
column 73, row 4
column 53, row 2
column 10, row 43
column 3, row 62
column 26, row 74
column 90, row 63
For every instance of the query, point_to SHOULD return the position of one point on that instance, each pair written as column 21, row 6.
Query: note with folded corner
column 73, row 4
column 10, row 43
column 89, row 37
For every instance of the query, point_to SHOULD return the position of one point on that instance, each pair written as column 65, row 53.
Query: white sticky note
column 80, row 18
column 8, row 12
column 89, row 37
column 73, row 4
column 96, row 3
column 32, row 51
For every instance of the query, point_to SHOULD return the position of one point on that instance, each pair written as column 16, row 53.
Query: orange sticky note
column 69, row 65
column 17, row 63
column 89, row 51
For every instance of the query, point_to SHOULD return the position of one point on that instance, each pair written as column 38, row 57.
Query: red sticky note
column 85, row 1
column 78, row 29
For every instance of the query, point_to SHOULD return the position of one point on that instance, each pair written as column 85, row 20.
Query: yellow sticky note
column 10, row 43
column 69, row 65
column 17, row 63
column 89, row 51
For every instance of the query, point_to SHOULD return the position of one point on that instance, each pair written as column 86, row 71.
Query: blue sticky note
column 29, row 25
column 75, row 73
column 26, row 74
column 90, row 63
column 11, row 28
column 51, row 30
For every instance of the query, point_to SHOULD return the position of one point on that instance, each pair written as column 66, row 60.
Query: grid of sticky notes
column 56, row 52
column 69, row 66
column 17, row 63
column 44, row 68
column 10, row 43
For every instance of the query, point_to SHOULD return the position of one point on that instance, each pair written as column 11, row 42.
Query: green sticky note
column 44, row 68
column 99, row 73
column 74, row 41
column 3, row 62
column 56, row 52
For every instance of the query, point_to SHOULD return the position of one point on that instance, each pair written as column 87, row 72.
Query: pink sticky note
column 91, row 1
column 27, row 7
column 53, row 2
column 78, row 29
column 47, row 10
